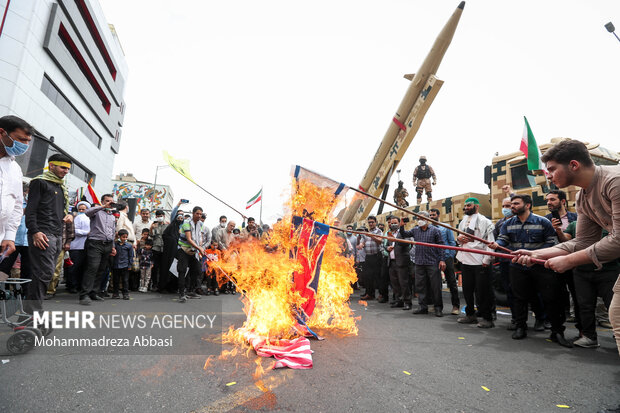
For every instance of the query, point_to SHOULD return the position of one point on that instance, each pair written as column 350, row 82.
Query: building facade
column 62, row 69
column 127, row 186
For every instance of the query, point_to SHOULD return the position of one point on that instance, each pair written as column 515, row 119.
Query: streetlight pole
column 155, row 185
column 611, row 29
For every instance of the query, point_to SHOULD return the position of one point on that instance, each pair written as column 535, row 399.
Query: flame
column 262, row 269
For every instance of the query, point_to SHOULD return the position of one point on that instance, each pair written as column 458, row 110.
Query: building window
column 35, row 160
column 81, row 62
column 53, row 93
column 521, row 177
column 92, row 27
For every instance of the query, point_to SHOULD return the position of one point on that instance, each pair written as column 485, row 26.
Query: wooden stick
column 419, row 216
column 445, row 247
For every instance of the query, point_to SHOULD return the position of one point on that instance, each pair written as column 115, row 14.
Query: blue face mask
column 18, row 148
column 507, row 212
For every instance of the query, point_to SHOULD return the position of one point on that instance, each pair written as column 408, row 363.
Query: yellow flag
column 179, row 165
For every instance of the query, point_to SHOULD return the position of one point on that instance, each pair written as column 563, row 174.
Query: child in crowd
column 122, row 264
column 143, row 237
column 212, row 257
column 145, row 253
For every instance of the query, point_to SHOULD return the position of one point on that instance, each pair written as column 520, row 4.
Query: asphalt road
column 448, row 365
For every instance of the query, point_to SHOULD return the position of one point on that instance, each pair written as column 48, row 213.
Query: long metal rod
column 445, row 247
column 419, row 216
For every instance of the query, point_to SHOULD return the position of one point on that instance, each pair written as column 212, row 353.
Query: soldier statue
column 400, row 194
column 421, row 180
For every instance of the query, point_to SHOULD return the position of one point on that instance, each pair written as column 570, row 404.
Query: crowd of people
column 102, row 253
column 576, row 284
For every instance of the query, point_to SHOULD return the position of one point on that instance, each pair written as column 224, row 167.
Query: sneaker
column 539, row 325
column 126, row 297
column 512, row 326
column 547, row 325
column 192, row 295
column 116, row 296
column 605, row 324
column 183, row 299
column 96, row 297
column 85, row 301
column 467, row 319
column 455, row 311
column 49, row 296
column 486, row 324
column 586, row 342
column 216, row 292
column 142, row 289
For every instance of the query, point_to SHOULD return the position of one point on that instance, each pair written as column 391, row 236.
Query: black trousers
column 43, row 265
column 120, row 275
column 400, row 280
column 166, row 278
column 476, row 281
column 432, row 275
column 157, row 264
column 8, row 262
column 588, row 286
column 383, row 282
column 75, row 273
column 98, row 256
column 187, row 279
column 570, row 292
column 504, row 269
column 371, row 272
column 526, row 283
column 451, row 281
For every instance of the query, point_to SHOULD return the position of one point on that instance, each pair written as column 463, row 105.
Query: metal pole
column 260, row 217
column 154, row 189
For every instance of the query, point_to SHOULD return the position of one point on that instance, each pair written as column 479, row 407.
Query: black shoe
column 382, row 299
column 233, row 292
column 547, row 325
column 420, row 311
column 438, row 312
column 85, row 300
column 182, row 298
column 216, row 292
column 407, row 307
column 192, row 295
column 519, row 334
column 539, row 325
column 72, row 291
column 512, row 326
column 126, row 297
column 397, row 304
column 104, row 294
column 560, row 339
column 49, row 296
column 96, row 297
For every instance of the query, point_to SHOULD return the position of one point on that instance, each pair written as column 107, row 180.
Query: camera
column 405, row 220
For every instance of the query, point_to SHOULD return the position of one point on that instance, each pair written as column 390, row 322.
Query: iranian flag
column 529, row 147
column 90, row 194
column 256, row 198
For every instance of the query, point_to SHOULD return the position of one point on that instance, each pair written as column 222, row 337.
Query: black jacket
column 46, row 208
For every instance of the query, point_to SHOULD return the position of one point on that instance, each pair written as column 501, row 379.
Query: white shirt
column 138, row 226
column 11, row 197
column 82, row 228
column 483, row 228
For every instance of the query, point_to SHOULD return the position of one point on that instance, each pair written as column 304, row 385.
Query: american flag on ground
column 294, row 354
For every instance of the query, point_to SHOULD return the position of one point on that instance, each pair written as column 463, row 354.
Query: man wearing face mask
column 429, row 262
column 504, row 266
column 476, row 267
column 422, row 181
column 156, row 230
column 15, row 135
column 220, row 227
column 46, row 214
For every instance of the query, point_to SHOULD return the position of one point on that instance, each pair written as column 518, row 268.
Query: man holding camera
column 99, row 247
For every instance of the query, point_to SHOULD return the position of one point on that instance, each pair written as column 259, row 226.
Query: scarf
column 49, row 176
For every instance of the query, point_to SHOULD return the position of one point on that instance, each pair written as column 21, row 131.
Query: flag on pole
column 90, row 195
column 530, row 149
column 256, row 198
column 179, row 165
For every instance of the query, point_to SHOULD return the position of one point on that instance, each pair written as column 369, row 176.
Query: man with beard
column 448, row 239
column 398, row 266
column 372, row 263
column 598, row 207
column 529, row 232
column 421, row 180
column 220, row 227
column 476, row 267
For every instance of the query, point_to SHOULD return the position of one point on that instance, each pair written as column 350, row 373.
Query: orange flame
column 262, row 269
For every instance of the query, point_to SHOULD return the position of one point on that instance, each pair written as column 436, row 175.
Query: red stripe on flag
column 399, row 124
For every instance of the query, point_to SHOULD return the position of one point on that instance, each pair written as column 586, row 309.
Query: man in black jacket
column 398, row 266
column 46, row 212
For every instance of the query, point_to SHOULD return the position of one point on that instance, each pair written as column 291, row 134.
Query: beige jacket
column 124, row 223
column 598, row 208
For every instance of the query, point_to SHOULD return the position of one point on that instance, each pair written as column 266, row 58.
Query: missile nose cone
column 462, row 5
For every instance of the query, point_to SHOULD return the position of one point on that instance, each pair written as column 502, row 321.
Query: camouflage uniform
column 422, row 182
column 400, row 194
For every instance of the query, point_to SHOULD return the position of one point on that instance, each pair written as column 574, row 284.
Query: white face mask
column 159, row 219
column 223, row 224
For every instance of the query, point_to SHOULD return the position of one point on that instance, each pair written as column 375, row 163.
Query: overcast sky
column 245, row 89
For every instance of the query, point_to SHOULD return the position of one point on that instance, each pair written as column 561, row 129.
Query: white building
column 62, row 70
